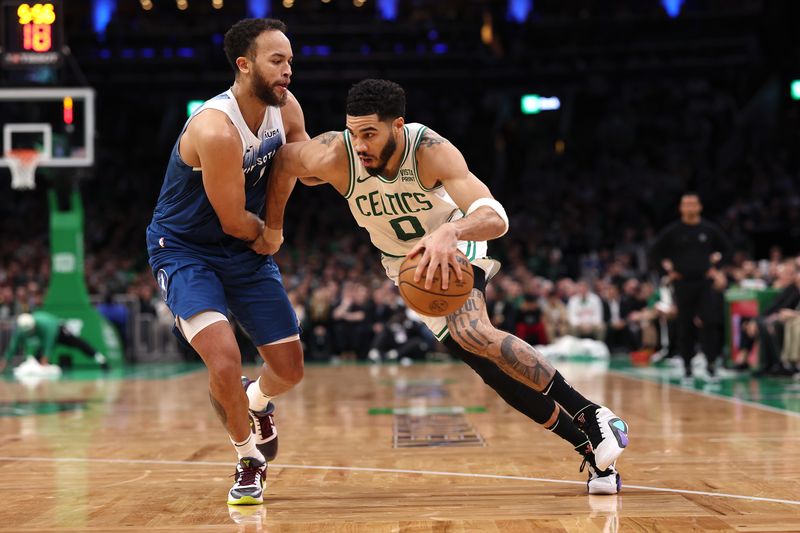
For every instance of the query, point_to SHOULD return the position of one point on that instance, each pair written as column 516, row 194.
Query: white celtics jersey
column 397, row 212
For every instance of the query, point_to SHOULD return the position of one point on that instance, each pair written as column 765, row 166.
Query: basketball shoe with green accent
column 262, row 424
column 607, row 432
column 248, row 489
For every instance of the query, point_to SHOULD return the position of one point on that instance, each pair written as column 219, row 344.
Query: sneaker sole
column 246, row 500
column 606, row 488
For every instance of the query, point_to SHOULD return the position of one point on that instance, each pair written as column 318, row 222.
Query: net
column 22, row 163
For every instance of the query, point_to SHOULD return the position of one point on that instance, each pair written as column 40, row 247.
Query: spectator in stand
column 507, row 311
column 320, row 310
column 554, row 313
column 768, row 327
column 790, row 356
column 617, row 333
column 530, row 326
column 352, row 321
column 6, row 302
column 585, row 312
column 386, row 319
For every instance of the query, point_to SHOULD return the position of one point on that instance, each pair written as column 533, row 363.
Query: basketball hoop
column 22, row 163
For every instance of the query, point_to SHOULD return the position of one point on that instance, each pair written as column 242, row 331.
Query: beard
column 266, row 92
column 386, row 152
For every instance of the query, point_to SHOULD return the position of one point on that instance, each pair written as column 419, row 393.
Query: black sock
column 565, row 428
column 570, row 399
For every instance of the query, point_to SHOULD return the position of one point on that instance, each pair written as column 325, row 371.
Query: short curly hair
column 382, row 97
column 240, row 38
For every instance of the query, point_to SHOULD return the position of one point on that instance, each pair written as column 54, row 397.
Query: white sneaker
column 248, row 489
column 608, row 434
column 600, row 481
column 606, row 482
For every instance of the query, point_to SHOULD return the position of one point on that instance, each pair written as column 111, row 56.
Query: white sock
column 257, row 399
column 247, row 448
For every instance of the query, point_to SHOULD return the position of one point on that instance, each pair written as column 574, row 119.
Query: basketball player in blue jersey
column 412, row 191
column 204, row 234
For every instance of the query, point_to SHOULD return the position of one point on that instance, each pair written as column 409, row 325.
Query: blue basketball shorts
column 249, row 286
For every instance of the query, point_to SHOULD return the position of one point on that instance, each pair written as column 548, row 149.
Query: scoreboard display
column 32, row 33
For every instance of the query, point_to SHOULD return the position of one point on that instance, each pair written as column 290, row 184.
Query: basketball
column 435, row 301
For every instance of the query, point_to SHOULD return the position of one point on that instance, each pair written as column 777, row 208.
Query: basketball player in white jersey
column 411, row 189
column 203, row 236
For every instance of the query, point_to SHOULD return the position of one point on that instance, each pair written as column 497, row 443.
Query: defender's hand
column 269, row 242
column 438, row 251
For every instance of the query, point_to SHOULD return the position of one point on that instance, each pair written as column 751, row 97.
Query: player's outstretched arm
column 295, row 123
column 323, row 159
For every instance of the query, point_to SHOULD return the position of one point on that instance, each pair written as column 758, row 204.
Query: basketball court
column 424, row 447
column 389, row 448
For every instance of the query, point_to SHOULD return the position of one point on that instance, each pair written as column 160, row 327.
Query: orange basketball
column 435, row 301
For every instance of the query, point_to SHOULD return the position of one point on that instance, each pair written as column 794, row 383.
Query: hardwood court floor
column 149, row 455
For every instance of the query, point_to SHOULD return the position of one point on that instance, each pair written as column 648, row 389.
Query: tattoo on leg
column 218, row 408
column 526, row 361
column 464, row 325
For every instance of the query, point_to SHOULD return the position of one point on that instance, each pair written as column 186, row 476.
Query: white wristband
column 494, row 205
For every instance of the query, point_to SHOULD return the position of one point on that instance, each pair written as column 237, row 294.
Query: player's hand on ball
column 438, row 251
column 269, row 242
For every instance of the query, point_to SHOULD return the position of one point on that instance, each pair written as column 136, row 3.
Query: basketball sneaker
column 606, row 481
column 263, row 427
column 248, row 489
column 607, row 432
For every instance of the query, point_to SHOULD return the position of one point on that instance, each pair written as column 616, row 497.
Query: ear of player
column 435, row 301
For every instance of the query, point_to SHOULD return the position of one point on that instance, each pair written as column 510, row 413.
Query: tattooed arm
column 471, row 329
column 441, row 164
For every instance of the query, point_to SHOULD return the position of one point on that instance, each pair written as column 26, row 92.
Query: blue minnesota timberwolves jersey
column 184, row 212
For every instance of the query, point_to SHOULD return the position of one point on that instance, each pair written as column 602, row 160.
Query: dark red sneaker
column 248, row 489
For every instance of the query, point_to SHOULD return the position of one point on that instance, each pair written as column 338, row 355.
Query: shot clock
column 31, row 33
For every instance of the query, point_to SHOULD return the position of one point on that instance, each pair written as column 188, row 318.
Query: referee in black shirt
column 690, row 250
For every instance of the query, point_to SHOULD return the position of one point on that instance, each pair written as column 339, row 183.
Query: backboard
column 59, row 123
